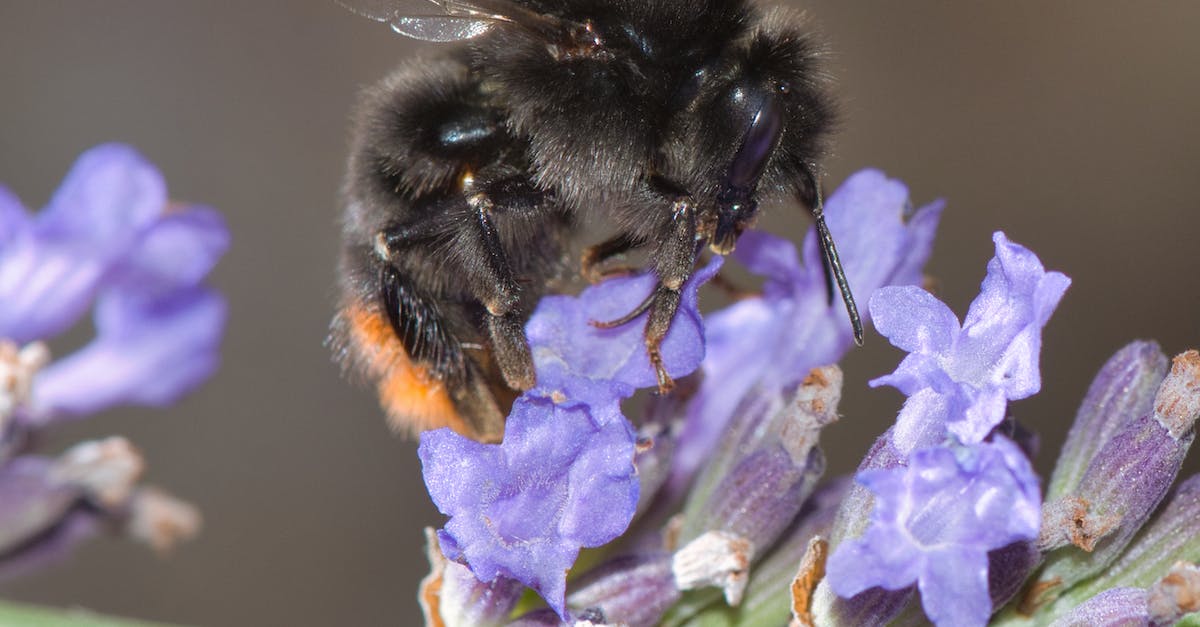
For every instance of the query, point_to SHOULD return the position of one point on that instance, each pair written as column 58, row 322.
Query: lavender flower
column 563, row 478
column 961, row 379
column 773, row 341
column 514, row 507
column 108, row 240
column 934, row 523
column 724, row 523
column 944, row 497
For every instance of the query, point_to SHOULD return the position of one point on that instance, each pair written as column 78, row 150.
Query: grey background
column 1072, row 126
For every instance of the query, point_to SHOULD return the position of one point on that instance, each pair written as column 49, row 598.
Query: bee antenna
column 834, row 273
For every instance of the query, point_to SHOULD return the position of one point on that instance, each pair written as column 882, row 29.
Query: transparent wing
column 449, row 20
column 428, row 20
column 440, row 27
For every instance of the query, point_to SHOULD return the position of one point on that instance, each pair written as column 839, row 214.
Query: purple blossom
column 108, row 237
column 585, row 363
column 946, row 504
column 563, row 477
column 773, row 341
column 109, row 241
column 934, row 522
column 961, row 378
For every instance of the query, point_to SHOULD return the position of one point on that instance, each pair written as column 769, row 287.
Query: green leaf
column 35, row 616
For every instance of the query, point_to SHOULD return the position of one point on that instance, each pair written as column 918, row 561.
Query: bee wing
column 450, row 20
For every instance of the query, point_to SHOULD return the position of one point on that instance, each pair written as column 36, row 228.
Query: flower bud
column 768, row 466
column 1123, row 390
column 1169, row 537
column 636, row 589
column 769, row 595
column 1133, row 471
column 1117, row 606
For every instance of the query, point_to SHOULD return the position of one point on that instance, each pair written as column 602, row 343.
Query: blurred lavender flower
column 108, row 239
column 709, row 506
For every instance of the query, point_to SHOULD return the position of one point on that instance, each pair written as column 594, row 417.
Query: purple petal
column 110, row 195
column 913, row 320
column 954, row 587
column 876, row 248
column 922, row 227
column 46, row 286
column 977, row 369
column 922, row 421
column 604, row 488
column 587, row 363
column 774, row 258
column 873, row 561
column 774, row 341
column 50, row 272
column 982, row 410
column 561, row 480
column 451, row 595
column 176, row 252
column 934, row 522
column 144, row 354
column 1002, row 329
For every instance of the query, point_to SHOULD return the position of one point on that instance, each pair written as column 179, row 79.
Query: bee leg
column 595, row 256
column 675, row 261
column 395, row 238
column 420, row 325
column 492, row 282
column 430, row 383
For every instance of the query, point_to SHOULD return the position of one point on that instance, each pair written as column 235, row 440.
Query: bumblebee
column 470, row 173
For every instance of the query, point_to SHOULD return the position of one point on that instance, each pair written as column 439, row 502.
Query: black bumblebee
column 468, row 171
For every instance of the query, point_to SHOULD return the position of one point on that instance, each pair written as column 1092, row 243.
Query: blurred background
column 1074, row 127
